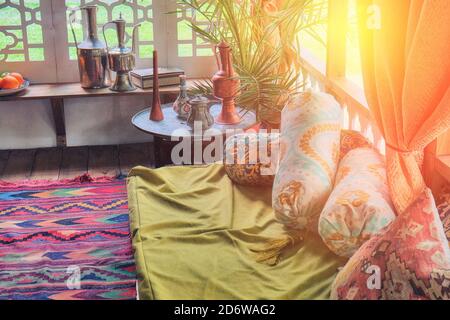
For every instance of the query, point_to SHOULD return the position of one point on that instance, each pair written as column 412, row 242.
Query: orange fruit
column 18, row 76
column 10, row 82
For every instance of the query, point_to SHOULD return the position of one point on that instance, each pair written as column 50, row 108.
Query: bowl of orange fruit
column 12, row 83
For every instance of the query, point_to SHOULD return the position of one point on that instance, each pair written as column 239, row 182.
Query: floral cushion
column 408, row 260
column 245, row 173
column 309, row 153
column 359, row 205
column 251, row 159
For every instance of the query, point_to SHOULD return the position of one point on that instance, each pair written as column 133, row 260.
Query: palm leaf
column 264, row 43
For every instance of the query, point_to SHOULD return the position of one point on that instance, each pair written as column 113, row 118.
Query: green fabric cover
column 194, row 231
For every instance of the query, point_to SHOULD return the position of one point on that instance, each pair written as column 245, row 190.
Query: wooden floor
column 71, row 162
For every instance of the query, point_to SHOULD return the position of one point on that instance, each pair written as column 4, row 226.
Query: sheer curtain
column 406, row 68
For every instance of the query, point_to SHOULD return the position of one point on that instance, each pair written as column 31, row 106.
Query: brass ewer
column 91, row 53
column 121, row 59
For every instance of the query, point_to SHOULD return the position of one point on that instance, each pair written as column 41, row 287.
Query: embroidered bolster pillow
column 251, row 159
column 309, row 153
column 359, row 205
column 408, row 260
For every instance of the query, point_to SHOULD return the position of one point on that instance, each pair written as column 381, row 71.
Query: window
column 35, row 37
column 335, row 43
column 22, row 38
column 313, row 39
column 134, row 12
column 189, row 44
column 184, row 47
column 24, row 44
column 36, row 40
column 353, row 59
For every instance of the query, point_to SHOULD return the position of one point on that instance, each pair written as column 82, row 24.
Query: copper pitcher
column 226, row 85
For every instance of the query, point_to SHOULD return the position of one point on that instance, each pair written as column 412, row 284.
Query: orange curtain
column 406, row 67
column 443, row 144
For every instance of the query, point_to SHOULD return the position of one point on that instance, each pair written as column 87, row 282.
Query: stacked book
column 143, row 78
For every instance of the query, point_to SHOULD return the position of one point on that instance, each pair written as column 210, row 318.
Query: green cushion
column 194, row 235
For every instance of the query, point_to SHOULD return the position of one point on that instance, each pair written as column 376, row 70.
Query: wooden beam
column 337, row 38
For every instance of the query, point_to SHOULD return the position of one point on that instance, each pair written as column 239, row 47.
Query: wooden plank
column 133, row 155
column 103, row 161
column 59, row 120
column 4, row 155
column 19, row 166
column 74, row 162
column 74, row 90
column 47, row 164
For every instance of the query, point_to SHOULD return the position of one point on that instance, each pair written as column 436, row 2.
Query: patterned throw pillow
column 256, row 174
column 251, row 159
column 359, row 205
column 309, row 153
column 409, row 260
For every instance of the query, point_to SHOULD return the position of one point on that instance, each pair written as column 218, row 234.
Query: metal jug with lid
column 92, row 52
column 121, row 59
column 200, row 113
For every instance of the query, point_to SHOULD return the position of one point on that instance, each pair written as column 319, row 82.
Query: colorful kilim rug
column 66, row 240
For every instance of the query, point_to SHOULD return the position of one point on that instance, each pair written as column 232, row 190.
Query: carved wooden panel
column 188, row 43
column 21, row 36
column 26, row 41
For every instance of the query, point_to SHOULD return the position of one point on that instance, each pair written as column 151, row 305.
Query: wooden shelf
column 74, row 90
column 56, row 93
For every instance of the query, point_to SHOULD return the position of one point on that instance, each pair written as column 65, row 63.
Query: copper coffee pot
column 226, row 85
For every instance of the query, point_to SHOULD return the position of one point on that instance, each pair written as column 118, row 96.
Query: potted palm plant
column 264, row 38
